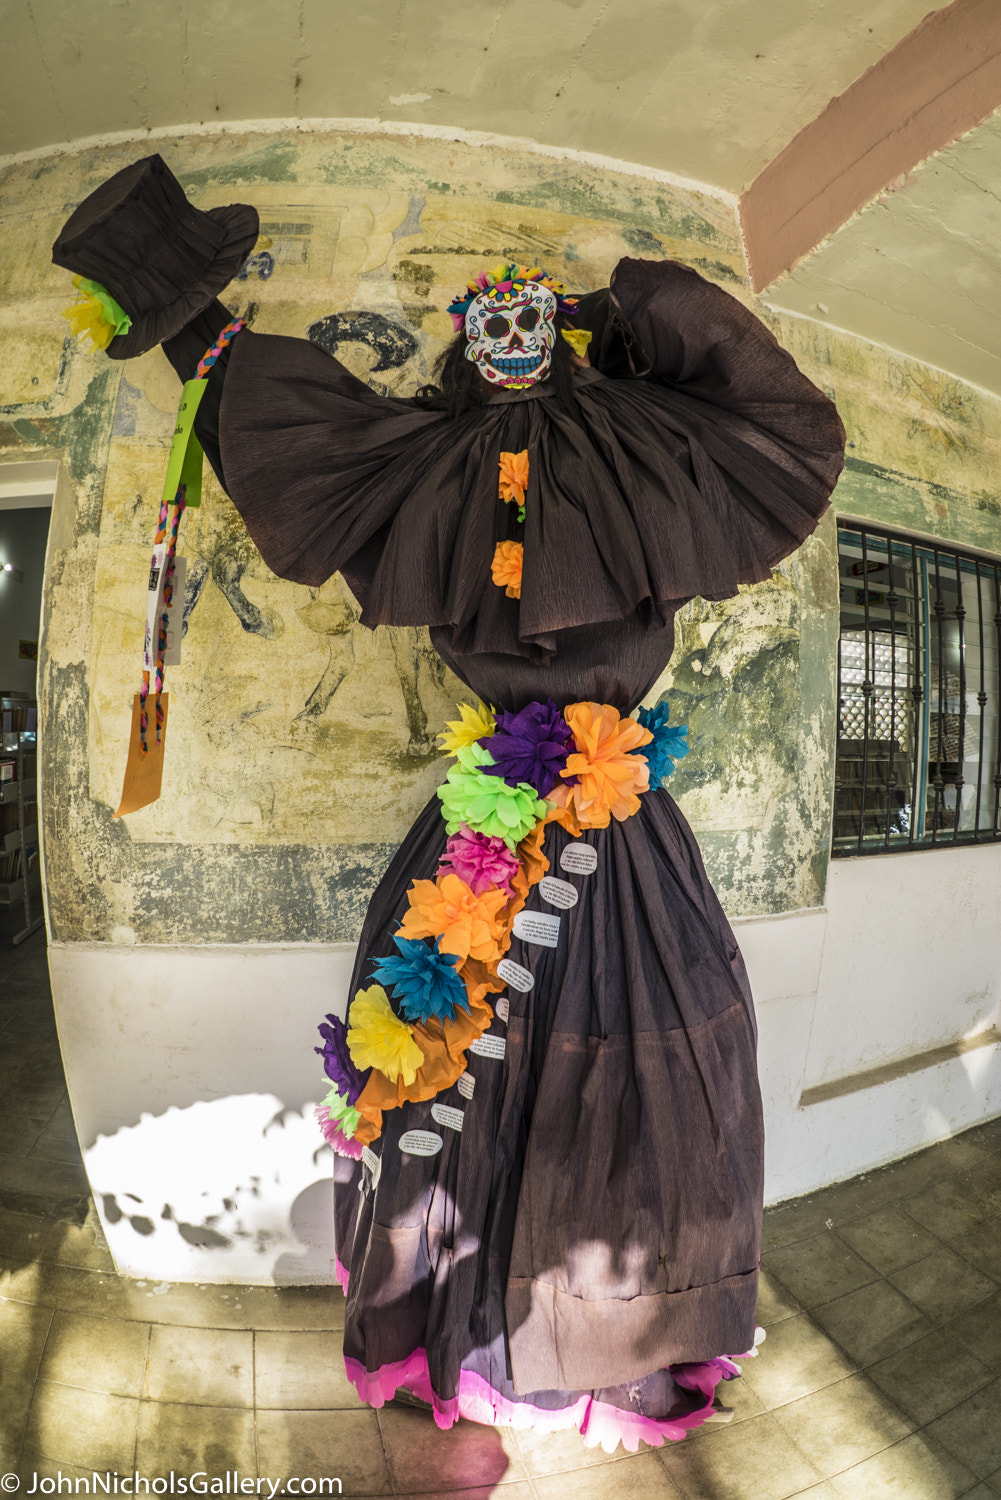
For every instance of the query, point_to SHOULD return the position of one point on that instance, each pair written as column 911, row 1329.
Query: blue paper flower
column 337, row 1062
column 668, row 744
column 424, row 980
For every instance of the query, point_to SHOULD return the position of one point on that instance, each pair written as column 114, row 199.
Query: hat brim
column 241, row 226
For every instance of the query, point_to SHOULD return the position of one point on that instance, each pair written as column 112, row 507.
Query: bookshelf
column 20, row 879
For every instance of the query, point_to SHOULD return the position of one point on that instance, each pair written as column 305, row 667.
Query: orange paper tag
column 144, row 772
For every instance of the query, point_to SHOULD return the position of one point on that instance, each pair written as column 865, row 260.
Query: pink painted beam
column 940, row 81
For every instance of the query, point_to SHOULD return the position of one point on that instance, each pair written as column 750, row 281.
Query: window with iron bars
column 919, row 693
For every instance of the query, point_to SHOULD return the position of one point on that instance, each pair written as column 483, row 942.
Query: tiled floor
column 880, row 1376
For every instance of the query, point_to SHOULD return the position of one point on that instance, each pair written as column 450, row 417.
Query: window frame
column 928, row 614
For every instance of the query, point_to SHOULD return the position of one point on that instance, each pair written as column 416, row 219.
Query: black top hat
column 161, row 259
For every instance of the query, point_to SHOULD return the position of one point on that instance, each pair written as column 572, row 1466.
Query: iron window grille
column 919, row 695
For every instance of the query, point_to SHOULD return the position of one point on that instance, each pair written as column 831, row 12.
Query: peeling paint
column 301, row 746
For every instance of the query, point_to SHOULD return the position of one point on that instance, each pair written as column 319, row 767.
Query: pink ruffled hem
column 597, row 1422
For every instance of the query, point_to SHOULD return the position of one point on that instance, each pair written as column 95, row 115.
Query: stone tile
column 842, row 1424
column 178, row 1304
column 329, row 1444
column 638, row 1476
column 33, row 1099
column 942, row 1285
column 58, row 1142
column 19, row 1132
column 872, row 1323
column 464, row 1456
column 33, row 1469
column 788, row 1223
column 87, row 1428
column 36, row 1178
column 918, row 1468
column 980, row 1331
column 23, row 1331
column 302, row 1371
column 544, row 1453
column 931, row 1376
column 972, row 1430
column 819, row 1269
column 986, row 1135
column 774, row 1301
column 888, row 1239
column 189, row 1439
column 55, row 1241
column 97, row 1354
column 522, row 1490
column 982, row 1247
column 200, row 1366
column 755, row 1461
column 740, row 1396
column 796, row 1359
column 949, row 1209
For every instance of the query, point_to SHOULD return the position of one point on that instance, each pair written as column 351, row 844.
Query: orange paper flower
column 514, row 476
column 468, row 925
column 505, row 570
column 610, row 777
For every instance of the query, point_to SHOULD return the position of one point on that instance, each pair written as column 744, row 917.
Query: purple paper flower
column 530, row 746
column 482, row 861
column 337, row 1062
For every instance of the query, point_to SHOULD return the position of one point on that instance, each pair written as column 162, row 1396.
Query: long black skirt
column 583, row 1244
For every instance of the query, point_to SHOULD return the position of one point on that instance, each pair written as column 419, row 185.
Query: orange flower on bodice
column 505, row 570
column 514, row 476
column 610, row 777
column 468, row 925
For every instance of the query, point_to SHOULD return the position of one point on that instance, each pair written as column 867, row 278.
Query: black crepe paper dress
column 594, row 1227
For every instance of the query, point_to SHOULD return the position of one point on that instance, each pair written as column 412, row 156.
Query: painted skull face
column 511, row 335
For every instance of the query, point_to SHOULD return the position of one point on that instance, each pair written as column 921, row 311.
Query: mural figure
column 544, row 1098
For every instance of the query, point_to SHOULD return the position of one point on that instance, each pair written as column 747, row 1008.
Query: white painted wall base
column 192, row 1089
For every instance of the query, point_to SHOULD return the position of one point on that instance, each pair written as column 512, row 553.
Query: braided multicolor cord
column 204, row 365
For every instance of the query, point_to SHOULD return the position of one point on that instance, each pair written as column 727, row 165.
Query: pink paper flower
column 480, row 860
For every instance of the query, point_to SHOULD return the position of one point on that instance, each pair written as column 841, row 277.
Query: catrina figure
column 544, row 1100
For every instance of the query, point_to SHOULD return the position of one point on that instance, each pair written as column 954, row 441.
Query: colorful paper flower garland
column 514, row 774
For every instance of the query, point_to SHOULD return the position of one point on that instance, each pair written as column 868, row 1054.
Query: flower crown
column 507, row 278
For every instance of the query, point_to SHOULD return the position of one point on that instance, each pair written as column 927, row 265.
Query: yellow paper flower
column 610, row 776
column 514, row 476
column 377, row 1038
column 96, row 315
column 472, row 725
column 505, row 570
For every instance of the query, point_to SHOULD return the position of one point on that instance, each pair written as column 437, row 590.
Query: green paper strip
column 185, row 463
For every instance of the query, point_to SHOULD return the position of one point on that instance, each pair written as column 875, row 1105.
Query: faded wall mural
column 300, row 745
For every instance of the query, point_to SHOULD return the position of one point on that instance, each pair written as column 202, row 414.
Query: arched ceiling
column 726, row 93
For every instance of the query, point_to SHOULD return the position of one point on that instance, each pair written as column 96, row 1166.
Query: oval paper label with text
column 488, row 1046
column 420, row 1143
column 579, row 859
column 514, row 975
column 537, row 927
column 557, row 892
column 444, row 1114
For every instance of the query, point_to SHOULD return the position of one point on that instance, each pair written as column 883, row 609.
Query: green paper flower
column 485, row 803
column 342, row 1111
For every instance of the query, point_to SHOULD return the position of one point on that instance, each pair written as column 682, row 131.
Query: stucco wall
column 276, row 817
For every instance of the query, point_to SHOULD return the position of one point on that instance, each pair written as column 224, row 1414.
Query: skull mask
column 511, row 334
